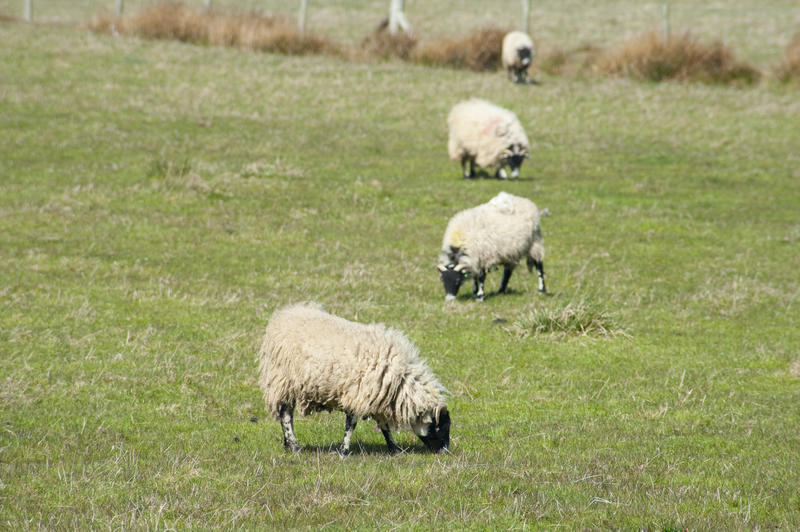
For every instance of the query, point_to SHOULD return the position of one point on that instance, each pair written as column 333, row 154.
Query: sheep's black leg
column 387, row 435
column 349, row 426
column 479, row 280
column 540, row 273
column 289, row 441
column 507, row 271
column 468, row 166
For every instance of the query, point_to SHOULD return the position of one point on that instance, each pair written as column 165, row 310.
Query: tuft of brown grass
column 172, row 21
column 557, row 61
column 789, row 68
column 479, row 51
column 680, row 58
column 383, row 45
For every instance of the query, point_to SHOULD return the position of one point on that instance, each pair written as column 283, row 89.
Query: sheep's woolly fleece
column 501, row 231
column 512, row 42
column 484, row 130
column 316, row 361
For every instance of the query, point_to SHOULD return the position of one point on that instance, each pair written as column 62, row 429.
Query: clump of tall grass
column 579, row 318
column 681, row 58
column 171, row 21
column 789, row 68
column 558, row 61
column 479, row 51
column 382, row 44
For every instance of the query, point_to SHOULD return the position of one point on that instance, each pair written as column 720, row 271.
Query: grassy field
column 159, row 200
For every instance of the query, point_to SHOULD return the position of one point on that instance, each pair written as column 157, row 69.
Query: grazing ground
column 159, row 200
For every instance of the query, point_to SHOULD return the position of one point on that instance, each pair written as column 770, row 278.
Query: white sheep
column 484, row 133
column 311, row 360
column 517, row 55
column 501, row 231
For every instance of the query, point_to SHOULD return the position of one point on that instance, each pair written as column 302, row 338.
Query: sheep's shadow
column 510, row 292
column 365, row 449
column 483, row 175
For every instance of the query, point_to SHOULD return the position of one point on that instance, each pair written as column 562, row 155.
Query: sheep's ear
column 442, row 414
column 441, row 267
column 459, row 267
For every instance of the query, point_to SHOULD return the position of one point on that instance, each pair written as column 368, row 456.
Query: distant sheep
column 484, row 133
column 517, row 56
column 311, row 360
column 501, row 231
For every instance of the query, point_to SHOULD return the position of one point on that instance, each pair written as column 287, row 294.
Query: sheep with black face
column 485, row 134
column 517, row 55
column 311, row 360
column 499, row 232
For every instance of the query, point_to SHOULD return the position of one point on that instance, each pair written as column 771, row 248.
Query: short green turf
column 159, row 200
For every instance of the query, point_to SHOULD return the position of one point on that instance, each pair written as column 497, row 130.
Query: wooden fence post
column 29, row 10
column 208, row 4
column 120, row 7
column 666, row 22
column 301, row 18
column 397, row 19
column 526, row 16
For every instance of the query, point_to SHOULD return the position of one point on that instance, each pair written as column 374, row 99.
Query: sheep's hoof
column 343, row 451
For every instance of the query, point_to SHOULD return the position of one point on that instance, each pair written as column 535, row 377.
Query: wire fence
column 756, row 30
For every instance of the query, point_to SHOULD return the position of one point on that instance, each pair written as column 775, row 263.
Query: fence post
column 397, row 19
column 301, row 18
column 29, row 10
column 120, row 7
column 526, row 16
column 208, row 4
column 666, row 22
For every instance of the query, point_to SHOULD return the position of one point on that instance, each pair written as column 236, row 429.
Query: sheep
column 484, row 133
column 517, row 55
column 501, row 231
column 311, row 360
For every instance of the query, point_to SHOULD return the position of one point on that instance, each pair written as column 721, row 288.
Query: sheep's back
column 315, row 360
column 489, row 235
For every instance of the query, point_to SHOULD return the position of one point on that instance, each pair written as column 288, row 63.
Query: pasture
column 159, row 200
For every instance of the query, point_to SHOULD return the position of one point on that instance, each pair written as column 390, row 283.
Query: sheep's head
column 452, row 276
column 434, row 429
column 513, row 157
column 525, row 55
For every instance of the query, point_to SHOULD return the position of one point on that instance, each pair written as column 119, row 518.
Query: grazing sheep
column 517, row 56
column 501, row 231
column 311, row 360
column 483, row 133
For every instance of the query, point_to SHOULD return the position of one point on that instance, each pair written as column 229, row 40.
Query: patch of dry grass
column 579, row 318
column 680, row 58
column 252, row 31
column 557, row 61
column 383, row 45
column 479, row 51
column 789, row 68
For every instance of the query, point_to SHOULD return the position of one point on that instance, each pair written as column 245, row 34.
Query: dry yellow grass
column 252, row 31
column 681, row 58
column 382, row 44
column 789, row 68
column 556, row 61
column 478, row 51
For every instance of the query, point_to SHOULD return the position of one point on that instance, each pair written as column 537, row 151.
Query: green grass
column 158, row 201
